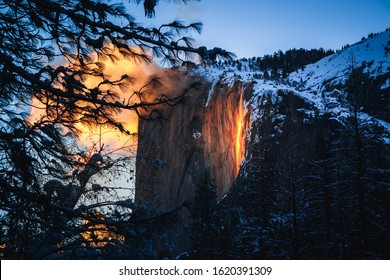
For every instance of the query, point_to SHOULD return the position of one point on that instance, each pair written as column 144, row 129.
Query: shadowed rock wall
column 175, row 150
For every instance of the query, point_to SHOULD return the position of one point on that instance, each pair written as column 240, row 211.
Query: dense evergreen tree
column 205, row 230
column 291, row 60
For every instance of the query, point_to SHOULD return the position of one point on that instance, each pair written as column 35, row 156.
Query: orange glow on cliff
column 240, row 149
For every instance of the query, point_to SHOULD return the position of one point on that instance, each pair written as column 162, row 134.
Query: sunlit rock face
column 224, row 130
column 205, row 131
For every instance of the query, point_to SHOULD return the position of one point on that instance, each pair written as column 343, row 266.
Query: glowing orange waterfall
column 239, row 138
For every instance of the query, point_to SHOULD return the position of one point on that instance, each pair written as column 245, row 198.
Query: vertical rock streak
column 240, row 146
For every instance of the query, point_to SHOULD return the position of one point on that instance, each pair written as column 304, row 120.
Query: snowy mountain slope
column 373, row 52
column 316, row 83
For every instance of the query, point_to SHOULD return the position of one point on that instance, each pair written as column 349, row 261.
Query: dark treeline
column 280, row 63
column 292, row 60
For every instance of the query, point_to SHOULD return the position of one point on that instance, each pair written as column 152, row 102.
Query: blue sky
column 257, row 27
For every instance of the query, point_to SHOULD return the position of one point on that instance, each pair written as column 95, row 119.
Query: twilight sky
column 257, row 27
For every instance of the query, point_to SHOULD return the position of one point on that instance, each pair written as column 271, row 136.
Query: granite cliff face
column 205, row 131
